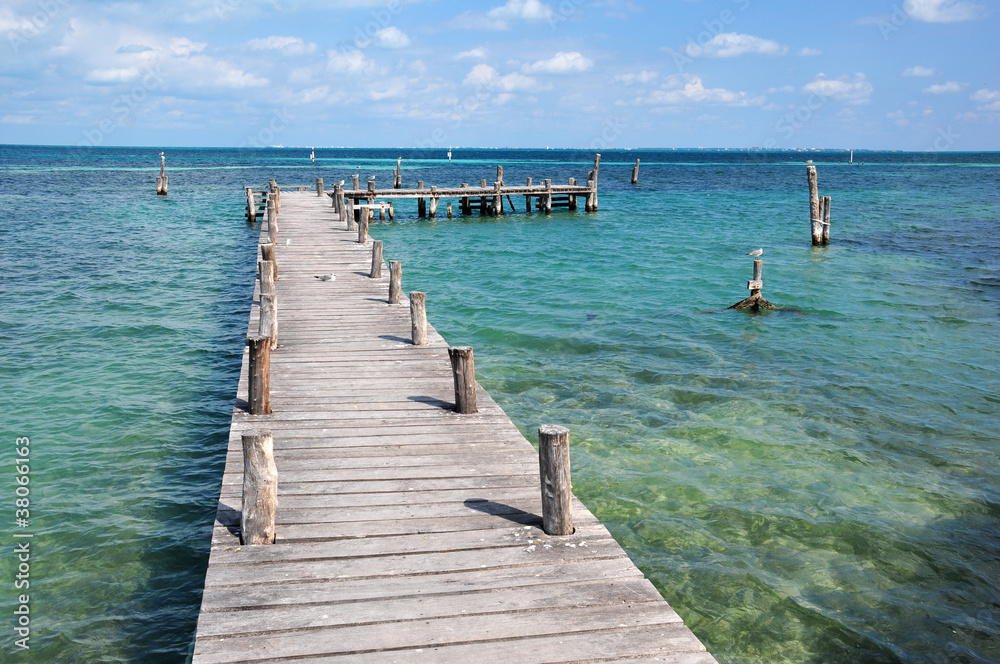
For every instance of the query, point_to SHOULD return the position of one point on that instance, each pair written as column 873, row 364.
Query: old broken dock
column 404, row 530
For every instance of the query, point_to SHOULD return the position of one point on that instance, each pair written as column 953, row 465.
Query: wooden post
column 814, row 211
column 572, row 197
column 527, row 199
column 554, row 472
column 251, row 207
column 482, row 199
column 434, row 203
column 376, row 260
column 418, row 318
column 463, row 368
column 592, row 185
column 395, row 281
column 465, row 206
column 548, row 196
column 421, row 204
column 357, row 181
column 319, row 186
column 267, row 253
column 161, row 181
column 363, row 227
column 260, row 489
column 449, row 209
column 498, row 200
column 259, row 389
column 266, row 277
column 635, row 173
column 392, row 212
column 756, row 301
column 272, row 219
column 277, row 199
column 268, row 324
column 398, row 180
column 826, row 220
column 351, row 214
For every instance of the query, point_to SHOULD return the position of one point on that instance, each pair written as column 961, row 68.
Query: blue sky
column 898, row 74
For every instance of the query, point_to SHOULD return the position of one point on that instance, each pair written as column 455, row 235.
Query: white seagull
column 755, row 253
column 327, row 277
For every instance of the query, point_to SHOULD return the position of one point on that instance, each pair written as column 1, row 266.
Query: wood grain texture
column 404, row 531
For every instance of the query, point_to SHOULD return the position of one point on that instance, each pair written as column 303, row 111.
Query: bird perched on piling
column 327, row 277
column 756, row 253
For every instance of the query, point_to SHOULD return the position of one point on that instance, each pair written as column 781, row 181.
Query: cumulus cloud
column 944, row 88
column 475, row 54
column 687, row 90
column 638, row 77
column 560, row 63
column 852, row 89
column 732, row 44
column 287, row 45
column 920, row 72
column 112, row 76
column 486, row 76
column 942, row 11
column 521, row 10
column 391, row 37
column 351, row 62
column 184, row 47
column 989, row 99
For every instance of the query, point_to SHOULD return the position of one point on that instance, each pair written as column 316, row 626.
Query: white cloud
column 990, row 99
column 732, row 44
column 944, row 88
column 640, row 77
column 560, row 63
column 391, row 37
column 352, row 62
column 112, row 75
column 521, row 10
column 18, row 119
column 288, row 45
column 920, row 72
column 9, row 22
column 686, row 90
column 783, row 88
column 475, row 54
column 942, row 11
column 808, row 52
column 852, row 89
column 318, row 93
column 486, row 76
column 183, row 47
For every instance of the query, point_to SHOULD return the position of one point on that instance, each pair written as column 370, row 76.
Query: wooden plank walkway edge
column 405, row 531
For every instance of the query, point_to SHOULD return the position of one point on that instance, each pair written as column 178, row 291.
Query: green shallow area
column 814, row 484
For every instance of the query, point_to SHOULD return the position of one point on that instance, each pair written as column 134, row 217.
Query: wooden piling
column 272, row 219
column 434, row 203
column 421, row 204
column 268, row 324
column 260, row 489
column 449, row 209
column 826, row 220
column 392, row 212
column 397, row 182
column 548, row 196
column 635, row 173
column 351, row 214
column 572, row 197
column 357, row 181
column 161, row 181
column 376, row 260
column 527, row 199
column 592, row 185
column 363, row 227
column 418, row 318
column 482, row 199
column 814, row 212
column 259, row 389
column 498, row 200
column 267, row 271
column 554, row 472
column 251, row 207
column 465, row 206
column 463, row 368
column 319, row 186
column 756, row 301
column 395, row 281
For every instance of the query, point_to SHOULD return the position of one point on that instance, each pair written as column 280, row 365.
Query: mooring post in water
column 826, row 220
column 161, row 181
column 465, row 205
column 260, row 489
column 395, row 281
column 434, row 203
column 463, row 367
column 756, row 301
column 421, row 204
column 554, row 472
column 548, row 196
column 572, row 197
column 482, row 199
column 498, row 202
column 418, row 318
column 251, row 206
column 635, row 173
column 815, row 217
column 259, row 388
column 397, row 182
column 268, row 324
column 592, row 185
column 497, row 199
column 527, row 199
column 376, row 271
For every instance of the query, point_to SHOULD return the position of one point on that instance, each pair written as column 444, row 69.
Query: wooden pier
column 405, row 531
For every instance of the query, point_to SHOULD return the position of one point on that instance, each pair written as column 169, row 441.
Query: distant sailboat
column 312, row 154
column 449, row 154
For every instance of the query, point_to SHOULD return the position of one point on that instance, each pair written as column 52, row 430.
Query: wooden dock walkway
column 405, row 531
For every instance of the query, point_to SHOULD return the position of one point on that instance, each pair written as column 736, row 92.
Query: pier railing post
column 418, row 318
column 268, row 325
column 463, row 368
column 260, row 489
column 259, row 389
column 267, row 253
column 815, row 217
column 272, row 219
column 363, row 227
column 266, row 277
column 357, row 181
column 554, row 472
column 527, row 199
column 319, row 186
column 572, row 197
column 548, row 196
column 395, row 281
column 482, row 199
column 376, row 260
column 826, row 220
column 497, row 199
column 351, row 214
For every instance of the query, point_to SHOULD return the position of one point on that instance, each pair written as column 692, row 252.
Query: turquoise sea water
column 816, row 484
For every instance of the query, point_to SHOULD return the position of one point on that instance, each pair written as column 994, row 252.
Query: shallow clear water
column 816, row 484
